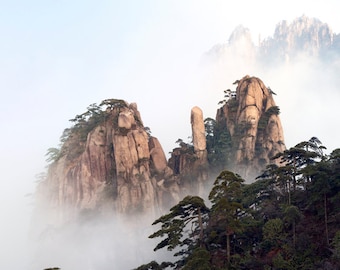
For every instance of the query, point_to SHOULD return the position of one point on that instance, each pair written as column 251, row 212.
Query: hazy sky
column 58, row 56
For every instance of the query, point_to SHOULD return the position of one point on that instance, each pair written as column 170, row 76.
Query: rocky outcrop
column 198, row 129
column 189, row 162
column 118, row 163
column 110, row 161
column 251, row 118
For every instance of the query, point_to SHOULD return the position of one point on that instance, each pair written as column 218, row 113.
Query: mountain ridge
column 304, row 35
column 109, row 160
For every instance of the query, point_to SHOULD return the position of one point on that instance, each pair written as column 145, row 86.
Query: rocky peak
column 108, row 156
column 251, row 119
column 240, row 35
column 110, row 161
column 303, row 35
column 198, row 129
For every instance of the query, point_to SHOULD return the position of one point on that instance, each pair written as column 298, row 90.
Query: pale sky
column 59, row 56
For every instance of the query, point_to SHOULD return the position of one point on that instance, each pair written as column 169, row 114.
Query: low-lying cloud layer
column 165, row 88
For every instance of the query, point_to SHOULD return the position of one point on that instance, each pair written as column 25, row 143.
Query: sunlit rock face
column 110, row 162
column 198, row 129
column 200, row 148
column 251, row 118
column 118, row 166
column 189, row 163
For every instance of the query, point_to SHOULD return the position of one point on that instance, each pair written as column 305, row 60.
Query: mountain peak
column 302, row 34
column 305, row 36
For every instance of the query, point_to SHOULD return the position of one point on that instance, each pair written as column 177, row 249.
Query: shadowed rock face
column 252, row 120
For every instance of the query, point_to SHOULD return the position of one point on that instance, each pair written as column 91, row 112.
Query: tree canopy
column 287, row 219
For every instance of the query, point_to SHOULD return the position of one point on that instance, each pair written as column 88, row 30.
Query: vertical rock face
column 189, row 162
column 200, row 147
column 198, row 130
column 251, row 118
column 117, row 162
column 109, row 160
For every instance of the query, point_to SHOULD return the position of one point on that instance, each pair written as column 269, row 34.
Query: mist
column 95, row 242
column 307, row 95
column 57, row 58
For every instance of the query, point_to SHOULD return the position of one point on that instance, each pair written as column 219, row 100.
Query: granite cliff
column 250, row 117
column 109, row 161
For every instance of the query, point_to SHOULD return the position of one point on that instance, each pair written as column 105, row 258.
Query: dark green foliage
column 198, row 260
column 287, row 219
column 226, row 208
column 185, row 148
column 219, row 144
column 53, row 154
column 263, row 122
column 87, row 121
column 183, row 227
column 272, row 232
column 153, row 265
column 72, row 141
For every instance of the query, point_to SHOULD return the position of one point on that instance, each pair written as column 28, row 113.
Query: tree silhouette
column 191, row 213
column 226, row 207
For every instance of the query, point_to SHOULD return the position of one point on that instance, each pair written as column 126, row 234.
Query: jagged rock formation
column 304, row 36
column 251, row 118
column 189, row 162
column 239, row 43
column 198, row 130
column 109, row 160
column 108, row 157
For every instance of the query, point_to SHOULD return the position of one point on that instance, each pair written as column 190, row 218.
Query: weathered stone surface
column 112, row 165
column 126, row 119
column 198, row 130
column 133, row 107
column 189, row 163
column 157, row 155
column 254, row 126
